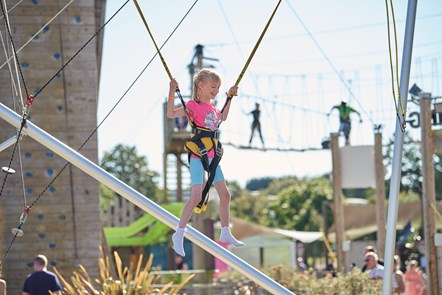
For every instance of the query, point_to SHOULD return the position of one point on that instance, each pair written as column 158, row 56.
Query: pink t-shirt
column 206, row 116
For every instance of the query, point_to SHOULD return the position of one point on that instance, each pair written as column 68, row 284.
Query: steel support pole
column 395, row 181
column 7, row 143
column 141, row 201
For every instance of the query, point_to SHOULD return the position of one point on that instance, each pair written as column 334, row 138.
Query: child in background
column 413, row 279
column 202, row 112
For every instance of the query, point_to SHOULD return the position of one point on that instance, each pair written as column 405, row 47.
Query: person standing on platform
column 344, row 119
column 256, row 124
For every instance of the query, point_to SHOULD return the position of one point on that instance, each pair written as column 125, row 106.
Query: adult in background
column 344, row 119
column 375, row 270
column 367, row 250
column 41, row 281
column 398, row 277
column 256, row 124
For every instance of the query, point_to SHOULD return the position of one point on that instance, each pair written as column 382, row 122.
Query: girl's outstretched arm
column 231, row 93
column 173, row 112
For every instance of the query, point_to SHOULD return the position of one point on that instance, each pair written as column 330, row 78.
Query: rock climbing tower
column 64, row 220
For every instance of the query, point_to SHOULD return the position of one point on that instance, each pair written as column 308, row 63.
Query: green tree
column 258, row 183
column 288, row 203
column 299, row 206
column 124, row 163
column 411, row 167
column 252, row 207
column 234, row 188
column 438, row 176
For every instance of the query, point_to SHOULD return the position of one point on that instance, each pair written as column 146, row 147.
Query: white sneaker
column 226, row 237
column 178, row 239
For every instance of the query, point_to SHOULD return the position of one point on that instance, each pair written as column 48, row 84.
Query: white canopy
column 243, row 229
column 302, row 236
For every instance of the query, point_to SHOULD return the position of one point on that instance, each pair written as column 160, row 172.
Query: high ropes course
column 24, row 100
column 272, row 149
column 26, row 128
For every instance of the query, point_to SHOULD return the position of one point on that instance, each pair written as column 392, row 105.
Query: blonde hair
column 202, row 76
column 41, row 260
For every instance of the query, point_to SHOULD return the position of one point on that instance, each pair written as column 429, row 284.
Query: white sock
column 178, row 239
column 226, row 237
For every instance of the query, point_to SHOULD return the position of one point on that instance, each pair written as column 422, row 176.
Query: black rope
column 28, row 208
column 30, row 100
column 13, row 48
column 141, row 73
column 113, row 108
column 274, row 149
column 47, row 83
column 7, row 252
column 23, row 123
column 75, row 55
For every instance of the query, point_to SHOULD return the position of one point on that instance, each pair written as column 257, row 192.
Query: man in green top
column 344, row 119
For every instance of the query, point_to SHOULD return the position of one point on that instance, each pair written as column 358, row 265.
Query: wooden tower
column 175, row 163
column 64, row 220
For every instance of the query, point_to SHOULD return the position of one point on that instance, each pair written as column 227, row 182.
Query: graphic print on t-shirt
column 211, row 121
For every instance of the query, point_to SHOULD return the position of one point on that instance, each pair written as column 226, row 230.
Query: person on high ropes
column 344, row 118
column 256, row 124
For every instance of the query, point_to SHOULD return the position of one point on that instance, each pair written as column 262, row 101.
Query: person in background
column 180, row 264
column 398, row 277
column 181, row 123
column 256, row 124
column 344, row 119
column 367, row 250
column 413, row 279
column 375, row 270
column 300, row 264
column 41, row 281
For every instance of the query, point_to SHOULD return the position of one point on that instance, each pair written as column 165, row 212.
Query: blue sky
column 313, row 54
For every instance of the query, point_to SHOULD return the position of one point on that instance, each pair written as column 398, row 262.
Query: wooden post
column 338, row 208
column 380, row 193
column 428, row 193
column 166, row 139
column 179, row 175
column 165, row 198
column 199, row 257
column 325, row 205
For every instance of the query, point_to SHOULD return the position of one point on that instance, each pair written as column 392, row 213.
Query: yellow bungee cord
column 401, row 117
column 248, row 60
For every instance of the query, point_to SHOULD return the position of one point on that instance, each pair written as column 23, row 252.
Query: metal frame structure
column 393, row 205
column 141, row 201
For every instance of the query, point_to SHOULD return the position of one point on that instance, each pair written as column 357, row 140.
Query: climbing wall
column 64, row 220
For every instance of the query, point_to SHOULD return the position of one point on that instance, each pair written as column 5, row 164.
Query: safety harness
column 201, row 141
